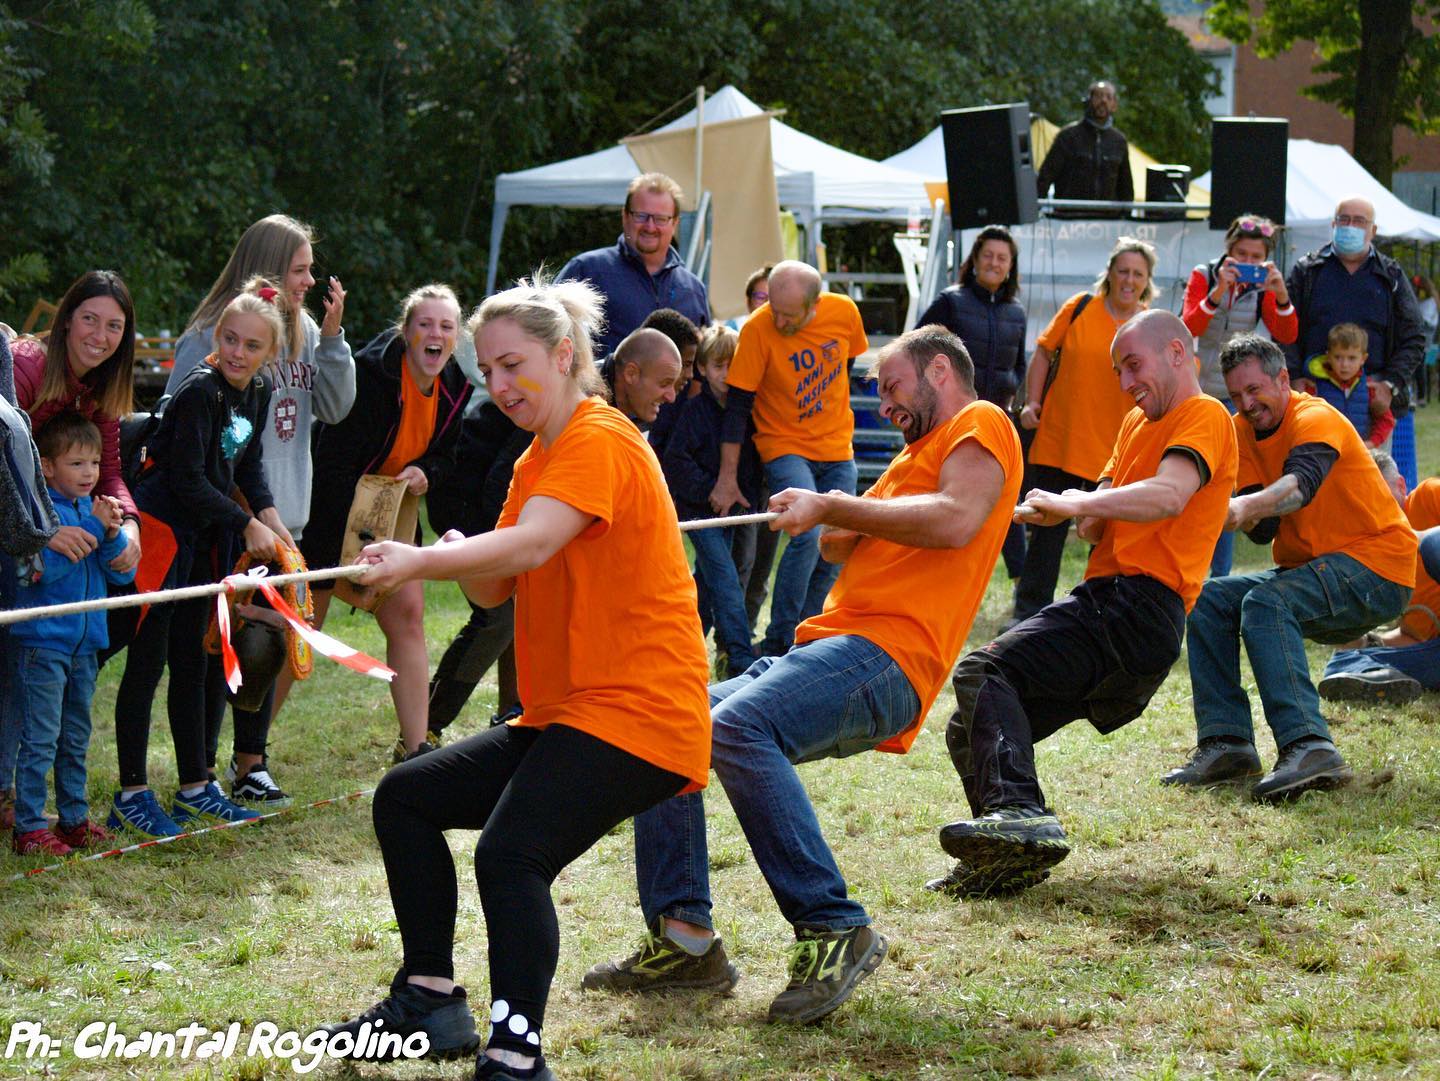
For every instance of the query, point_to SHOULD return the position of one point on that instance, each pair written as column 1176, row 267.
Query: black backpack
column 136, row 432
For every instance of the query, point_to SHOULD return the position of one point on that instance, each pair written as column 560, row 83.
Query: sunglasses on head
column 1255, row 228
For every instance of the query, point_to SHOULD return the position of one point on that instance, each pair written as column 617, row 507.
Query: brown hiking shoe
column 825, row 966
column 661, row 965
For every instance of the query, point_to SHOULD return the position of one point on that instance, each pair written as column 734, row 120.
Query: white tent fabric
column 815, row 181
column 1318, row 176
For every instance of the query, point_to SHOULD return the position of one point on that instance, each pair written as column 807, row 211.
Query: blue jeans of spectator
column 1420, row 662
column 50, row 692
column 1333, row 598
column 803, row 578
column 825, row 699
column 1223, row 557
column 9, row 725
column 715, row 566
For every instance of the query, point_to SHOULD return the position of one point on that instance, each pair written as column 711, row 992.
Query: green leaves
column 1383, row 69
column 145, row 136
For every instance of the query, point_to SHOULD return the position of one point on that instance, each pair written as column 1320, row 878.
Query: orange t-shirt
column 1081, row 414
column 1175, row 551
column 607, row 634
column 1353, row 511
column 917, row 604
column 1423, row 509
column 801, row 381
column 416, row 426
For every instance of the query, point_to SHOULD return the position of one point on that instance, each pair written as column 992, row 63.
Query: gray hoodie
column 320, row 386
column 27, row 519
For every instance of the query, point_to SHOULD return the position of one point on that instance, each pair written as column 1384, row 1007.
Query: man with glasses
column 641, row 273
column 1349, row 281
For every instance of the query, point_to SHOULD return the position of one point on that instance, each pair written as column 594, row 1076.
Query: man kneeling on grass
column 917, row 553
column 1104, row 650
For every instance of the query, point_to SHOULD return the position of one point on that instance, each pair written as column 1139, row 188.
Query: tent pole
column 699, row 141
column 497, row 230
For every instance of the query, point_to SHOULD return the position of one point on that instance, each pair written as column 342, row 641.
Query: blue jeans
column 1224, row 555
column 803, row 578
column 9, row 726
column 1420, row 661
column 826, row 699
column 50, row 694
column 715, row 567
column 1333, row 598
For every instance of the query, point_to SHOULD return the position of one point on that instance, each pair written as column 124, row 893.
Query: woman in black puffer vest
column 983, row 313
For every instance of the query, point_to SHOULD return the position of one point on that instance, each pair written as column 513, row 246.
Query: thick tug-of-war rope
column 181, row 836
column 243, row 582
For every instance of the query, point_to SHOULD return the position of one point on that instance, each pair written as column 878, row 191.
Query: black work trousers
column 1099, row 653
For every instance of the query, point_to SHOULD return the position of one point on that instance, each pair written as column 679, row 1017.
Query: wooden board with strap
column 384, row 508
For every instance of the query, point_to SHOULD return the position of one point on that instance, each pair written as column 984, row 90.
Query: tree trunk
column 1385, row 28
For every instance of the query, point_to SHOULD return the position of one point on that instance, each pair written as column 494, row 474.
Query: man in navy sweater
column 642, row 272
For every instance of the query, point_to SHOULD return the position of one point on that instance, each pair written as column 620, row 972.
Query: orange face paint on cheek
column 526, row 383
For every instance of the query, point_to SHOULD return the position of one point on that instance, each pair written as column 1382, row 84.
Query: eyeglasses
column 1352, row 219
column 660, row 220
column 1255, row 228
column 760, row 295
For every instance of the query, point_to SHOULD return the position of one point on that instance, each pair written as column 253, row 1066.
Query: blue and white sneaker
column 142, row 814
column 208, row 807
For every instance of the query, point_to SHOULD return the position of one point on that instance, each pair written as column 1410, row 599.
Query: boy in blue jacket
column 692, row 463
column 52, row 666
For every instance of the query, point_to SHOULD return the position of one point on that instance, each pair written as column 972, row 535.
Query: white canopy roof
column 814, row 180
column 1319, row 175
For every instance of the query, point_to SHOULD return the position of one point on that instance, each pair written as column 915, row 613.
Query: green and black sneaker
column 660, row 964
column 966, row 883
column 1015, row 840
column 825, row 966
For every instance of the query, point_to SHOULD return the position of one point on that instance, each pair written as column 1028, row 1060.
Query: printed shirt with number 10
column 801, row 381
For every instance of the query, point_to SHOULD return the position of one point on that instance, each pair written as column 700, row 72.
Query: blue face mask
column 1348, row 239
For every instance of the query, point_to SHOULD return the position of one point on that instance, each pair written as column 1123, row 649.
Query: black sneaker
column 661, row 965
column 825, row 966
column 487, row 1069
column 1387, row 686
column 1013, row 840
column 408, row 1010
column 259, row 790
column 965, row 883
column 1217, row 760
column 1311, row 762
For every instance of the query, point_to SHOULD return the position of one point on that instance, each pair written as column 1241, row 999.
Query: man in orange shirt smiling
column 1345, row 562
column 1104, row 650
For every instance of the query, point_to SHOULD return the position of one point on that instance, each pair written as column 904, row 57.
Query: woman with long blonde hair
column 312, row 376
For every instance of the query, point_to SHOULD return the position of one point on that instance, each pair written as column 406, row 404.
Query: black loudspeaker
column 989, row 165
column 1247, row 168
column 1166, row 184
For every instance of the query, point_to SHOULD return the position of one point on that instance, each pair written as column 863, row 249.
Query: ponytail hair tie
column 266, row 293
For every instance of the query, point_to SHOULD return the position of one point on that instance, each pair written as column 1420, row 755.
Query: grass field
column 1188, row 935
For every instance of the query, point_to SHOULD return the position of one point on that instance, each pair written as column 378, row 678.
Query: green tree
column 1384, row 69
column 145, row 136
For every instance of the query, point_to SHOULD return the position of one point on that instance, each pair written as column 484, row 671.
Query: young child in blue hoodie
column 52, row 665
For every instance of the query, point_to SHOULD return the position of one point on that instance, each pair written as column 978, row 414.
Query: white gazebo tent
column 816, row 182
